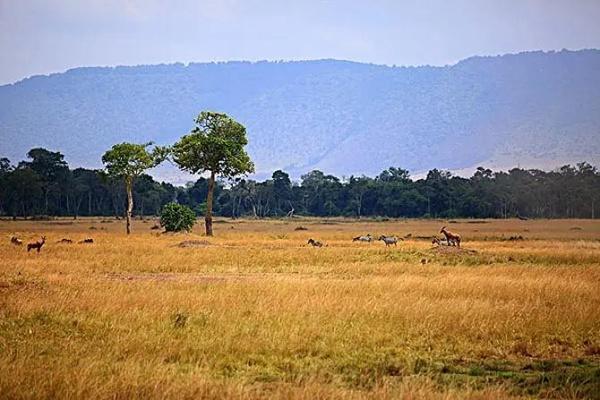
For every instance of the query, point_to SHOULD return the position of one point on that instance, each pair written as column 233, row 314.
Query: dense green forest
column 44, row 185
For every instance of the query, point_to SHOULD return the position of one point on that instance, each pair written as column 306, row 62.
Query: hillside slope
column 534, row 109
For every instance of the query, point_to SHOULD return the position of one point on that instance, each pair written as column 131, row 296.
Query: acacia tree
column 215, row 145
column 127, row 161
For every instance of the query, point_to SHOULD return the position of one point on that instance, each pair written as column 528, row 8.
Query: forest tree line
column 44, row 185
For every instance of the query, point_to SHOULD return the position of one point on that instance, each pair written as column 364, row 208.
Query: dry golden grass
column 256, row 313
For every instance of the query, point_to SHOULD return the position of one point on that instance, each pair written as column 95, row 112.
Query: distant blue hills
column 534, row 109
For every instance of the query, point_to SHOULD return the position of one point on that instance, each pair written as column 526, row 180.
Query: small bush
column 176, row 218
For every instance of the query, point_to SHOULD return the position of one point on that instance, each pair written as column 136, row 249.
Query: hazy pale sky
column 44, row 36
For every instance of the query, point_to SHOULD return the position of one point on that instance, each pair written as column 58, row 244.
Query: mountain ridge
column 315, row 60
column 536, row 108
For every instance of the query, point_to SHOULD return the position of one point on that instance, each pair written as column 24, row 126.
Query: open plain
column 256, row 313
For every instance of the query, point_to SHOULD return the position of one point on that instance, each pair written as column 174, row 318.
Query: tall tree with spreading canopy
column 50, row 166
column 282, row 192
column 215, row 145
column 128, row 161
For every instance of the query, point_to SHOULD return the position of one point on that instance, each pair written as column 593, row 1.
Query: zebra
column 367, row 238
column 389, row 240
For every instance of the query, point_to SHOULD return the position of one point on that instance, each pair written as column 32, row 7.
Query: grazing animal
column 65, row 240
column 367, row 238
column 453, row 239
column 87, row 240
column 16, row 241
column 438, row 241
column 36, row 245
column 389, row 240
column 315, row 243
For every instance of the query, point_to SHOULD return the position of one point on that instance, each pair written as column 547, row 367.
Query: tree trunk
column 209, row 205
column 129, row 184
column 77, row 207
column 46, row 201
column 428, row 207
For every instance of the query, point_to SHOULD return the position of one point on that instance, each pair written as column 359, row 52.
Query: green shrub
column 176, row 218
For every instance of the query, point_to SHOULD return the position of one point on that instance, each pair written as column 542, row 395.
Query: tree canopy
column 128, row 161
column 216, row 144
column 571, row 191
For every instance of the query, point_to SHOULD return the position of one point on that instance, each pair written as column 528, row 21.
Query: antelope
column 16, row 241
column 315, row 243
column 367, row 238
column 36, row 245
column 453, row 239
column 65, row 240
column 389, row 240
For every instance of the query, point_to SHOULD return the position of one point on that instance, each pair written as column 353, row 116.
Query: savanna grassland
column 256, row 313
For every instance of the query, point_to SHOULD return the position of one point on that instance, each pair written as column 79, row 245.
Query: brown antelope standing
column 453, row 239
column 36, row 245
column 16, row 241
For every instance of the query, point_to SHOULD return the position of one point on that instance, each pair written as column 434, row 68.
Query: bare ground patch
column 452, row 250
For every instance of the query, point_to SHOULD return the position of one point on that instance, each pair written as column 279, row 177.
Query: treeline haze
column 44, row 185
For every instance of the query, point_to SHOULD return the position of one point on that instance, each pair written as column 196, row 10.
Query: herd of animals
column 452, row 239
column 37, row 245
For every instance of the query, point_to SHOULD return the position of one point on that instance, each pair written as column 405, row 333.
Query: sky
column 46, row 36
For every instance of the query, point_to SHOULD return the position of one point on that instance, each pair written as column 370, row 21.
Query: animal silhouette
column 36, row 245
column 389, row 240
column 368, row 238
column 315, row 243
column 452, row 238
